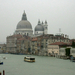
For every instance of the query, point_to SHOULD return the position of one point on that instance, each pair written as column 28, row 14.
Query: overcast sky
column 58, row 13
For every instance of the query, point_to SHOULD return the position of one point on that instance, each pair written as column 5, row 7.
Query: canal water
column 15, row 65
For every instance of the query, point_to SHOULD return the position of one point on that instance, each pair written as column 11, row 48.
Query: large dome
column 24, row 24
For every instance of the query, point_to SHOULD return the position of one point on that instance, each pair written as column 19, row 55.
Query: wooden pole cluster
column 3, row 73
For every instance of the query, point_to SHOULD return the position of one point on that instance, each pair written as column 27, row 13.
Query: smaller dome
column 39, row 28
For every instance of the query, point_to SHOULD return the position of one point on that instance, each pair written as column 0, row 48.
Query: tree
column 73, row 44
column 67, row 50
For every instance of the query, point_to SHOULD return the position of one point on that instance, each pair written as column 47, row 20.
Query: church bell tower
column 45, row 28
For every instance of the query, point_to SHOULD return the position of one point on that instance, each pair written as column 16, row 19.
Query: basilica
column 39, row 42
column 24, row 27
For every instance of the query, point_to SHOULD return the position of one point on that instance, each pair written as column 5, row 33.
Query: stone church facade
column 24, row 27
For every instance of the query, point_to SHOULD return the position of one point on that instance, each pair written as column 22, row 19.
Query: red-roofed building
column 24, row 45
column 34, row 39
column 58, row 43
column 18, row 43
column 58, row 38
column 34, row 46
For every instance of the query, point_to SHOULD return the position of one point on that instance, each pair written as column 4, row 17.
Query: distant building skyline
column 58, row 13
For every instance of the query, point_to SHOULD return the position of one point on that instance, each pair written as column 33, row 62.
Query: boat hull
column 1, row 63
column 29, row 60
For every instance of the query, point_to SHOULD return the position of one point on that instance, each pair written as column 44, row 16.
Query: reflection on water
column 43, row 65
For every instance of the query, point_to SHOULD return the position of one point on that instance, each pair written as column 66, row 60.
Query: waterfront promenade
column 44, row 65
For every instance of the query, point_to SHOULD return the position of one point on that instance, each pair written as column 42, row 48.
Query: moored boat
column 1, row 62
column 4, row 57
column 73, row 58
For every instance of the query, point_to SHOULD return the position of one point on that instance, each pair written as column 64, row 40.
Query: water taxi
column 29, row 59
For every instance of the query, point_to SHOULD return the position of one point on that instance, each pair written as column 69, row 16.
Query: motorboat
column 4, row 57
column 1, row 63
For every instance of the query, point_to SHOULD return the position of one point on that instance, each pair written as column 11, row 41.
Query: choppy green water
column 14, row 65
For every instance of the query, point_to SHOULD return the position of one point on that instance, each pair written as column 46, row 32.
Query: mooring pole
column 3, row 72
column 0, row 73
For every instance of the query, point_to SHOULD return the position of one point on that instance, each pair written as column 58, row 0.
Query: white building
column 53, row 50
column 62, row 52
column 41, row 28
column 72, row 52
